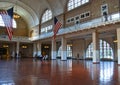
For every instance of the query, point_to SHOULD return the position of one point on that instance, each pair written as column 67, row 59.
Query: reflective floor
column 57, row 72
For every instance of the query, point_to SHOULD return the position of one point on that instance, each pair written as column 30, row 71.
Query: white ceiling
column 32, row 10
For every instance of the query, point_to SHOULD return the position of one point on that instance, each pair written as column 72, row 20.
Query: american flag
column 57, row 26
column 7, row 16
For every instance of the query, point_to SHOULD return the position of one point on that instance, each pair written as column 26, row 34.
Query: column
column 63, row 49
column 118, row 45
column 84, row 55
column 38, row 48
column 115, row 58
column 13, row 50
column 54, row 53
column 95, row 39
column 34, row 49
column 17, row 50
column 118, row 73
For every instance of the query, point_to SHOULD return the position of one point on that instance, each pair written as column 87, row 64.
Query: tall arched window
column 46, row 16
column 69, row 51
column 3, row 25
column 105, row 51
column 75, row 3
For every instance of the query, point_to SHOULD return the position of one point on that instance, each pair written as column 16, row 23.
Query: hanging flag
column 57, row 26
column 7, row 16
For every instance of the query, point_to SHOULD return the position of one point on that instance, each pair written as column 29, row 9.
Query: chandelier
column 16, row 16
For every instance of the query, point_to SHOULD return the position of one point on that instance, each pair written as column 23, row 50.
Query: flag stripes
column 57, row 26
column 7, row 19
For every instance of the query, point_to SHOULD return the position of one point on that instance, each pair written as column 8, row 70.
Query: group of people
column 42, row 57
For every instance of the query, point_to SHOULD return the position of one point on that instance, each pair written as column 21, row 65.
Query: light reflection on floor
column 7, row 83
column 57, row 72
column 106, row 72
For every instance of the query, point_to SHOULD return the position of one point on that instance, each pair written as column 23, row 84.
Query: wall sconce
column 16, row 16
column 5, row 46
column 46, row 46
column 115, row 41
column 69, row 44
column 24, row 46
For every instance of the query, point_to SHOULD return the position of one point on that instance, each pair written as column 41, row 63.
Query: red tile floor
column 57, row 72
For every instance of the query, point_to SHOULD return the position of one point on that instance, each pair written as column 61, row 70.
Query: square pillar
column 17, row 49
column 34, row 49
column 118, row 45
column 38, row 48
column 13, row 51
column 95, row 39
column 54, row 53
column 63, row 49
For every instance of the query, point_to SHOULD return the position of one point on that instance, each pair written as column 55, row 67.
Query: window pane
column 75, row 3
column 46, row 29
column 3, row 25
column 69, row 50
column 105, row 50
column 47, row 16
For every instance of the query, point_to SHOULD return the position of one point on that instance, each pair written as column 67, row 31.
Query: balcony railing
column 113, row 18
column 14, row 38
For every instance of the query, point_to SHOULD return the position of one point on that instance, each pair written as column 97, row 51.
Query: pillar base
column 96, row 62
column 53, row 59
column 63, row 60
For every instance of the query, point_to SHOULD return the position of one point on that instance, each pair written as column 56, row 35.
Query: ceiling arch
column 39, row 6
column 32, row 10
column 57, row 6
column 23, row 10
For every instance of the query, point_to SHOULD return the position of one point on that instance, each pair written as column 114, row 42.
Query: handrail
column 113, row 18
column 15, row 38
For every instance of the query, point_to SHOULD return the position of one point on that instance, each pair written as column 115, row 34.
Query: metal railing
column 14, row 38
column 113, row 18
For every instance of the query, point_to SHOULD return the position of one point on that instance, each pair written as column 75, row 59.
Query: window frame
column 72, row 4
column 47, row 15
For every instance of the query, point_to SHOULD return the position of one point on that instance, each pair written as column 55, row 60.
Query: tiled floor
column 57, row 72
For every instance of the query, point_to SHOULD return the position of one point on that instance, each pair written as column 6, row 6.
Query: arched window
column 46, row 16
column 75, row 3
column 3, row 25
column 105, row 51
column 59, row 51
column 69, row 51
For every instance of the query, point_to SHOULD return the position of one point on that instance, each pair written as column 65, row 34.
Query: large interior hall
column 59, row 42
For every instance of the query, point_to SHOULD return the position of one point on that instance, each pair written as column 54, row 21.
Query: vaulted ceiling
column 32, row 10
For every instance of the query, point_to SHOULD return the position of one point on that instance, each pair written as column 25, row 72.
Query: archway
column 105, row 52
